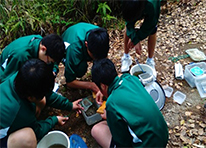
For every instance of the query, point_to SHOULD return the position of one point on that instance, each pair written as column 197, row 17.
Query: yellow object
column 77, row 115
column 94, row 95
column 102, row 108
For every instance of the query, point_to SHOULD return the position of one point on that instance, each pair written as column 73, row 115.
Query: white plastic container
column 190, row 77
column 54, row 138
column 201, row 86
column 179, row 71
column 168, row 91
column 179, row 97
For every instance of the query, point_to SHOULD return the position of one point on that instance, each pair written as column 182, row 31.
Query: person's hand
column 130, row 45
column 77, row 106
column 62, row 120
column 99, row 98
column 104, row 116
column 94, row 87
column 54, row 74
column 138, row 48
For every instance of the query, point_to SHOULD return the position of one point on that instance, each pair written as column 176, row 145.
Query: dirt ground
column 180, row 27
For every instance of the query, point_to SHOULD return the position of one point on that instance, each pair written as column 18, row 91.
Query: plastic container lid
column 179, row 97
column 156, row 92
column 197, row 71
column 168, row 91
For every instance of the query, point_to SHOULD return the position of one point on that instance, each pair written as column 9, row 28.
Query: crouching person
column 132, row 117
column 22, row 96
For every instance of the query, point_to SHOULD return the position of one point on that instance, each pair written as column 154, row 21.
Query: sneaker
column 151, row 63
column 126, row 62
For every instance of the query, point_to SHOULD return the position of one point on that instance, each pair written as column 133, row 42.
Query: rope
column 175, row 59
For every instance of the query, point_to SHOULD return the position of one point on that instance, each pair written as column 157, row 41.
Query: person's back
column 129, row 107
column 16, row 53
column 76, row 54
column 128, row 99
column 77, row 33
column 86, row 43
column 132, row 11
column 49, row 49
column 18, row 97
column 148, row 10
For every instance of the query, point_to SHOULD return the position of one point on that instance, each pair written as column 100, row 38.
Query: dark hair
column 98, row 42
column 55, row 47
column 132, row 9
column 34, row 79
column 103, row 71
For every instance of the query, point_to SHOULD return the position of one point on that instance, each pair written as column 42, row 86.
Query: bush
column 24, row 17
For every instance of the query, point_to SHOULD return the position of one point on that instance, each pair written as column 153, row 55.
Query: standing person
column 49, row 49
column 21, row 100
column 86, row 43
column 135, row 10
column 129, row 107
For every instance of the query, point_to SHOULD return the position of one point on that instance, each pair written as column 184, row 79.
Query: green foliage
column 103, row 9
column 24, row 17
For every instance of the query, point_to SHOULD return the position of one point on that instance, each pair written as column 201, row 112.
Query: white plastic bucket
column 54, row 138
column 145, row 67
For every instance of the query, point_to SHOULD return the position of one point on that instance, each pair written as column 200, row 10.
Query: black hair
column 34, row 79
column 132, row 9
column 55, row 47
column 103, row 71
column 98, row 42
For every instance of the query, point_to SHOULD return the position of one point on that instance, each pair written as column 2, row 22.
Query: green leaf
column 15, row 27
column 108, row 8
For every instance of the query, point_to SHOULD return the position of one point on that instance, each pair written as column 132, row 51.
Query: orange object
column 102, row 108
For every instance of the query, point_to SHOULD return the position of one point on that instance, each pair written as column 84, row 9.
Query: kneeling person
column 129, row 107
column 21, row 95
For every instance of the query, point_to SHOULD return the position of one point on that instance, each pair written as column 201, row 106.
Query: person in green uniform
column 86, row 42
column 50, row 49
column 21, row 95
column 132, row 117
column 133, row 11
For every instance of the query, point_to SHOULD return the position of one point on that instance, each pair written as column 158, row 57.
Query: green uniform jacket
column 129, row 99
column 151, row 15
column 76, row 54
column 17, row 113
column 17, row 53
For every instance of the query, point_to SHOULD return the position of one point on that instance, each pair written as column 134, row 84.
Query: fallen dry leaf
column 182, row 122
column 188, row 113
